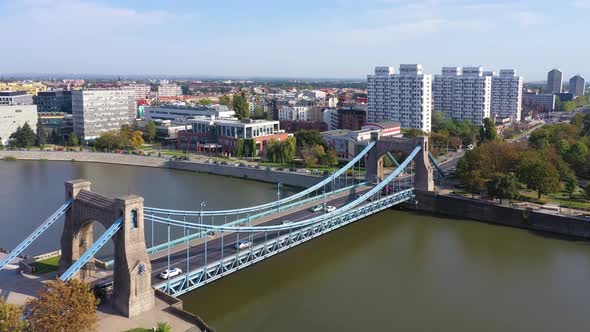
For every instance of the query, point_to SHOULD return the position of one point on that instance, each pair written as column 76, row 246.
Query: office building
column 554, row 81
column 507, row 95
column 463, row 93
column 98, row 111
column 54, row 101
column 330, row 118
column 169, row 90
column 179, row 114
column 404, row 98
column 577, row 86
column 206, row 134
column 16, row 109
column 538, row 102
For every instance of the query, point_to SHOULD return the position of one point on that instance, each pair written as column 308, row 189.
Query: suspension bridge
column 211, row 244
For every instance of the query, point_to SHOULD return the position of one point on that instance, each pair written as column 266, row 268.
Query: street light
column 279, row 185
column 206, row 234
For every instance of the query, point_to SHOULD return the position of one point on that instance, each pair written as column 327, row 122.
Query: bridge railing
column 241, row 259
column 269, row 205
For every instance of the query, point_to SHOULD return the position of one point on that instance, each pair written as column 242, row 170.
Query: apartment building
column 507, row 95
column 577, row 86
column 294, row 113
column 404, row 97
column 554, row 81
column 169, row 90
column 16, row 109
column 142, row 91
column 97, row 111
column 463, row 93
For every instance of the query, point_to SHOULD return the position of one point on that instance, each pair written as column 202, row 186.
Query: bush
column 9, row 158
column 164, row 327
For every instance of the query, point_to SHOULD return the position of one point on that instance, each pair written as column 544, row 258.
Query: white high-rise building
column 507, row 95
column 405, row 97
column 97, row 111
column 169, row 90
column 16, row 109
column 142, row 91
column 463, row 93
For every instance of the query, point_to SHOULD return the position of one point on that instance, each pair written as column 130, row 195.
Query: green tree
column 73, row 139
column 503, row 186
column 110, row 140
column 55, row 138
column 577, row 156
column 225, row 100
column 412, row 132
column 24, row 137
column 240, row 106
column 568, row 106
column 150, row 131
column 330, row 157
column 41, row 136
column 587, row 190
column 487, row 132
column 63, row 306
column 571, row 184
column 10, row 318
column 205, row 101
column 308, row 138
column 164, row 327
column 537, row 173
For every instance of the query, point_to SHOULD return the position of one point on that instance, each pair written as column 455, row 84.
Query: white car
column 286, row 222
column 243, row 245
column 166, row 274
column 316, row 208
column 330, row 208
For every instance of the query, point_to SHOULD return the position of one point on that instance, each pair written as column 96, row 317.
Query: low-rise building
column 208, row 134
column 351, row 118
column 31, row 88
column 15, row 111
column 539, row 102
column 179, row 114
column 348, row 143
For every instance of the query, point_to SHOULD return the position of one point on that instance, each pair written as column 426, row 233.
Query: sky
column 299, row 39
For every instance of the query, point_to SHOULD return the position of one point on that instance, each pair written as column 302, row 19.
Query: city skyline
column 331, row 39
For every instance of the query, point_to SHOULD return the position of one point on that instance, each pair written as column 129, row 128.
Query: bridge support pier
column 132, row 286
column 423, row 179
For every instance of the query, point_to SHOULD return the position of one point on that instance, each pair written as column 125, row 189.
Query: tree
column 10, row 318
column 308, row 138
column 73, row 139
column 205, row 101
column 41, row 137
column 225, row 100
column 64, row 306
column 240, row 106
column 24, row 137
column 577, row 156
column 587, row 190
column 503, row 186
column 55, row 137
column 331, row 157
column 281, row 151
column 487, row 132
column 412, row 132
column 309, row 156
column 113, row 139
column 150, row 131
column 571, row 184
column 537, row 173
column 136, row 140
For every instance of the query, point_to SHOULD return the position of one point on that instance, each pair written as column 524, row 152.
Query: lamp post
column 206, row 234
column 279, row 185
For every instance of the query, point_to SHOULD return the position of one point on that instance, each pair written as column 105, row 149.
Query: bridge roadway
column 214, row 248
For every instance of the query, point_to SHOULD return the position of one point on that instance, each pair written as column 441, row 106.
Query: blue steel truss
column 230, row 264
column 393, row 160
column 102, row 240
column 40, row 230
column 436, row 165
column 303, row 193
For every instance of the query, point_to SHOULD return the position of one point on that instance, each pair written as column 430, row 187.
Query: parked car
column 316, row 208
column 330, row 208
column 243, row 245
column 292, row 170
column 167, row 274
column 224, row 163
column 280, row 169
column 286, row 222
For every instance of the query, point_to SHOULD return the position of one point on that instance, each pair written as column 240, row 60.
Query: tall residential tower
column 554, row 81
column 463, row 93
column 577, row 86
column 507, row 95
column 405, row 97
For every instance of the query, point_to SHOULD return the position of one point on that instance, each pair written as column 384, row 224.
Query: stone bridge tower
column 132, row 285
column 424, row 177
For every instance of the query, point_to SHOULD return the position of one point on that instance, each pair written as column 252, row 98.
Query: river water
column 395, row 271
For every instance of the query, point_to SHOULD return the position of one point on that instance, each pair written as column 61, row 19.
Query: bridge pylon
column 132, row 286
column 424, row 177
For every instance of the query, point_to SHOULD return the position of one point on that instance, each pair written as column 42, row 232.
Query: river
column 395, row 271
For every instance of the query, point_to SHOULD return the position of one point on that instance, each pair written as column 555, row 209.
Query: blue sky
column 304, row 38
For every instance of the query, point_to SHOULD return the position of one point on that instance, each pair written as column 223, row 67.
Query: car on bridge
column 330, row 208
column 243, row 245
column 287, row 222
column 167, row 274
column 316, row 208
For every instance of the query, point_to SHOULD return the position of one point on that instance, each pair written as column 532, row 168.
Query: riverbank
column 480, row 210
column 264, row 175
